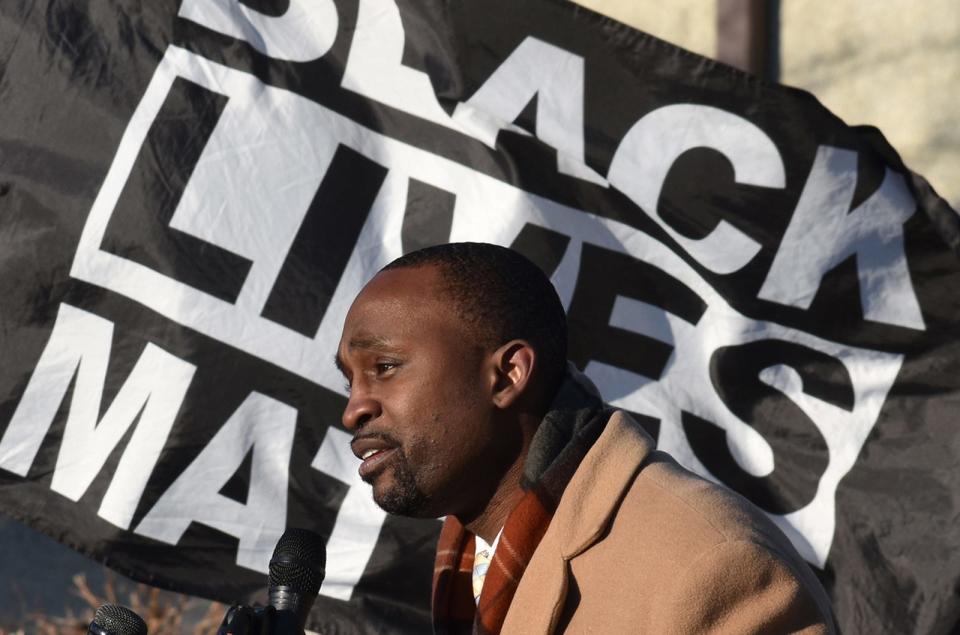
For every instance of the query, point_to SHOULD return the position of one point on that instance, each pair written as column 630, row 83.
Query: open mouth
column 374, row 461
column 372, row 451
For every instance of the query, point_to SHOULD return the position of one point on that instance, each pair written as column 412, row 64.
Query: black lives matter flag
column 191, row 193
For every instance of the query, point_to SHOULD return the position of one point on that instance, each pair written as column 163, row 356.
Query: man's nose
column 361, row 408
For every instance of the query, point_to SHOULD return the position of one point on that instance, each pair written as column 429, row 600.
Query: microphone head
column 112, row 619
column 298, row 562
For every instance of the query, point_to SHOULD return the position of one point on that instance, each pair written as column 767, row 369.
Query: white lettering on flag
column 556, row 78
column 648, row 150
column 374, row 66
column 824, row 232
column 264, row 426
column 305, row 31
column 79, row 347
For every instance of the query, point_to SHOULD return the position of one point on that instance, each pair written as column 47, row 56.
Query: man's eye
column 347, row 387
column 385, row 367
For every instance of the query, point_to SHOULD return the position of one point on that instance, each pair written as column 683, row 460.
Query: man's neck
column 488, row 523
column 491, row 519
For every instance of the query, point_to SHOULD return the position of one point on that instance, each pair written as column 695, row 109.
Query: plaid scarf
column 573, row 422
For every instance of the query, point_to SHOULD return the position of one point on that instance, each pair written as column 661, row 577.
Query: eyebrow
column 371, row 342
column 368, row 342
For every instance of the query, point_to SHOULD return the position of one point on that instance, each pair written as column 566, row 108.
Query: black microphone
column 296, row 571
column 112, row 619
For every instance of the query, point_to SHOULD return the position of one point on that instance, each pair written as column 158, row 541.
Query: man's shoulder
column 673, row 507
column 638, row 540
column 684, row 548
column 666, row 496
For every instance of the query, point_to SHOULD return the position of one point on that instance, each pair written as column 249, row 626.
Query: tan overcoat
column 640, row 545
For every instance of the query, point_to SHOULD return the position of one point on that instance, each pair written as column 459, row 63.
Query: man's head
column 452, row 354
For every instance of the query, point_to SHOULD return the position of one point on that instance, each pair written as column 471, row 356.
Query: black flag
column 193, row 192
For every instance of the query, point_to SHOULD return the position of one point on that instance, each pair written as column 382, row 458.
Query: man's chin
column 399, row 498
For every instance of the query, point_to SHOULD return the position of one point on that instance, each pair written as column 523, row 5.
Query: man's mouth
column 372, row 451
column 373, row 462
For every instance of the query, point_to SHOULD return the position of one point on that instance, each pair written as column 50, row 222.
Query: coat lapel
column 585, row 510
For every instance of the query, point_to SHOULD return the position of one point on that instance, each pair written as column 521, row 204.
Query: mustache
column 386, row 437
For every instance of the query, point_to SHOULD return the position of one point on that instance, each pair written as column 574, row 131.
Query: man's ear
column 513, row 365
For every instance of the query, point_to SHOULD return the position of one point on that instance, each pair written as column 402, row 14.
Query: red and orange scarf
column 574, row 421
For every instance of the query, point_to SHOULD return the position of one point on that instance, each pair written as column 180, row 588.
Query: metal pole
column 748, row 35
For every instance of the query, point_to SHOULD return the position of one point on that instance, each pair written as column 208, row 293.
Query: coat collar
column 594, row 492
column 585, row 511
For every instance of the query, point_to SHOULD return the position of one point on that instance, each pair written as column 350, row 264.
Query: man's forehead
column 394, row 301
column 403, row 291
column 420, row 281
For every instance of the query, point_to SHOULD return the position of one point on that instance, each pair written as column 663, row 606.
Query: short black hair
column 504, row 296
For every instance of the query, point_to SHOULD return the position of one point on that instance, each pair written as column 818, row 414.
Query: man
column 462, row 405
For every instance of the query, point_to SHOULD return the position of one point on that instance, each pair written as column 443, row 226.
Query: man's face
column 420, row 404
